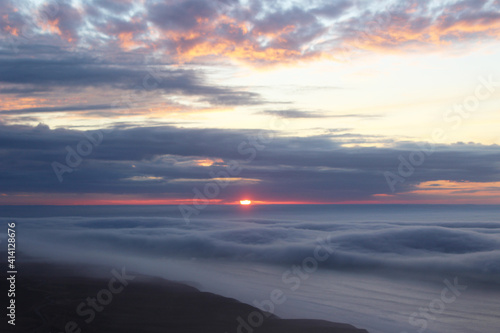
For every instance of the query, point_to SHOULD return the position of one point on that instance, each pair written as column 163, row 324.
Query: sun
column 245, row 202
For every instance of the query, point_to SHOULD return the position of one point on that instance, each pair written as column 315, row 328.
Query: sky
column 212, row 102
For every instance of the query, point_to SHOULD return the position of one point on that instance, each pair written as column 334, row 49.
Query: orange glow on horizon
column 433, row 195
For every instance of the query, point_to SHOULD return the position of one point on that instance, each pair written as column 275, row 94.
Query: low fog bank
column 471, row 250
column 376, row 273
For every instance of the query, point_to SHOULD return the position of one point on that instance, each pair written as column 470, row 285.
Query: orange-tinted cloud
column 62, row 19
column 208, row 161
column 208, row 32
column 413, row 26
column 261, row 33
column 51, row 26
column 12, row 30
column 127, row 41
column 460, row 192
column 17, row 103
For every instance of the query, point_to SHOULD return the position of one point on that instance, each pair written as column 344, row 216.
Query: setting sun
column 245, row 202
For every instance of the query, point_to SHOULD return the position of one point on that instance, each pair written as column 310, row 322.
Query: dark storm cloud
column 308, row 169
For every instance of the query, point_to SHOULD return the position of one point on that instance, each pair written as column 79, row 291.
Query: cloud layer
column 131, row 63
column 170, row 163
column 252, row 31
column 367, row 239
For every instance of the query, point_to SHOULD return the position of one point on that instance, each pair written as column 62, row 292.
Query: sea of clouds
column 382, row 267
column 470, row 249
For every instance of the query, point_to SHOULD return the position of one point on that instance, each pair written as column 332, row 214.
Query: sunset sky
column 160, row 102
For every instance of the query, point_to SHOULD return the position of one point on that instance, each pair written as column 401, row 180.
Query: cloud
column 280, row 238
column 258, row 33
column 294, row 114
column 391, row 256
column 298, row 114
column 332, row 10
column 182, row 15
column 72, row 74
column 58, row 109
column 62, row 19
column 305, row 169
column 12, row 22
column 418, row 26
column 202, row 29
column 75, row 72
column 113, row 6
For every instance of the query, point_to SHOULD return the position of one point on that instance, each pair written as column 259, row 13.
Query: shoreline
column 70, row 299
